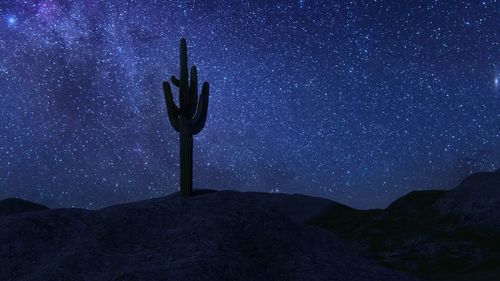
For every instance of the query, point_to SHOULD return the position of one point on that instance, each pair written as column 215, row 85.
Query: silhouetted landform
column 439, row 235
column 476, row 201
column 12, row 206
column 224, row 235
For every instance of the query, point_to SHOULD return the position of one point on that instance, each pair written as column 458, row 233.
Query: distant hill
column 224, row 235
column 12, row 206
column 476, row 201
column 440, row 235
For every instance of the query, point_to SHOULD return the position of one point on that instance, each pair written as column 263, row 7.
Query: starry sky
column 356, row 101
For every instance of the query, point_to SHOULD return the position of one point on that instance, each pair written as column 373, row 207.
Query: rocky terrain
column 445, row 235
column 439, row 235
column 223, row 235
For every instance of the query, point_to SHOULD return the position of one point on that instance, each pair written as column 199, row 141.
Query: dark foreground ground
column 223, row 235
column 228, row 235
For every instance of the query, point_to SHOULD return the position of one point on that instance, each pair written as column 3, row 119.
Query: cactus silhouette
column 189, row 118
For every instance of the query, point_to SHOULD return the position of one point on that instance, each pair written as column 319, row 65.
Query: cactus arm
column 201, row 114
column 193, row 91
column 175, row 81
column 172, row 109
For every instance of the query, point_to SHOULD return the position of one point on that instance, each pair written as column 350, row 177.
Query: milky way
column 359, row 102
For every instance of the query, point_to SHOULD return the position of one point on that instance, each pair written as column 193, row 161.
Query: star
column 11, row 21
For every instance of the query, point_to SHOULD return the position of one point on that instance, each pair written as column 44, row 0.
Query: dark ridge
column 476, row 201
column 480, row 179
column 445, row 235
column 417, row 199
column 196, row 192
column 12, row 206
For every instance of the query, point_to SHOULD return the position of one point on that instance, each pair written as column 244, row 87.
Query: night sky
column 356, row 101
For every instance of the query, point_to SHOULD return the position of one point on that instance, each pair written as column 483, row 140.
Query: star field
column 356, row 101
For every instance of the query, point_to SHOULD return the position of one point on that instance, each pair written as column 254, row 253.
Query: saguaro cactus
column 188, row 119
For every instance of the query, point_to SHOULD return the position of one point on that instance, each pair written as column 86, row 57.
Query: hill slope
column 12, row 206
column 441, row 235
column 213, row 236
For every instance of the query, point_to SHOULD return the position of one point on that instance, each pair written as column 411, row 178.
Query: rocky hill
column 15, row 206
column 437, row 234
column 224, row 235
column 445, row 235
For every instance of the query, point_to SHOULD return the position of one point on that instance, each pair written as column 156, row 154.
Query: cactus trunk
column 186, row 159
